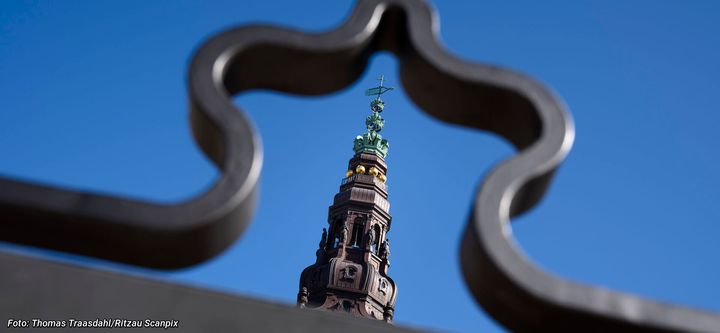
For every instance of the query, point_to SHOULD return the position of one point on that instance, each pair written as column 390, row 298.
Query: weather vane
column 377, row 105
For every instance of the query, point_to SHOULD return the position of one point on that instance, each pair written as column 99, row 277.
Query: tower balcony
column 364, row 181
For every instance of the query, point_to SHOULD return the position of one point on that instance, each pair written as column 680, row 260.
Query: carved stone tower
column 350, row 272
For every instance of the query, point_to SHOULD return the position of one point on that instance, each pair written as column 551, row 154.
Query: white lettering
column 17, row 323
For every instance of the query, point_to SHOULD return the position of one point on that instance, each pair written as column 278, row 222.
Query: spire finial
column 377, row 91
column 372, row 141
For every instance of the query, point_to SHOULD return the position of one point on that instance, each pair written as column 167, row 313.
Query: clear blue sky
column 93, row 98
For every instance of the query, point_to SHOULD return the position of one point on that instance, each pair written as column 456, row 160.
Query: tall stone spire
column 353, row 257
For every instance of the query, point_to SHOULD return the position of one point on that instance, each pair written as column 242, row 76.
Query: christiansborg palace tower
column 350, row 273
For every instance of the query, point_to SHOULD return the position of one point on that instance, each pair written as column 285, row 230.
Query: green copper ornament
column 372, row 141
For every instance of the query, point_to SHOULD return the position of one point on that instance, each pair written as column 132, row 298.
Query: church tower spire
column 350, row 273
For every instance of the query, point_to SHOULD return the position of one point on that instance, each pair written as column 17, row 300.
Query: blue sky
column 93, row 98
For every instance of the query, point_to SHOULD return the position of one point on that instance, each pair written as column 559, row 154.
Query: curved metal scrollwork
column 511, row 105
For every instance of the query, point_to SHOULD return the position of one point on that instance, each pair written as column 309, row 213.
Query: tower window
column 357, row 232
column 337, row 230
column 376, row 244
